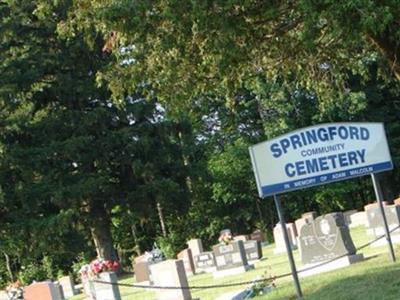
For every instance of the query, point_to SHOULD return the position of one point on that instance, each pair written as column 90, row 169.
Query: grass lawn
column 375, row 278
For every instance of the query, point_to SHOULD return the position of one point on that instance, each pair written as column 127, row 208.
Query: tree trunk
column 135, row 239
column 161, row 217
column 101, row 233
column 8, row 266
column 389, row 49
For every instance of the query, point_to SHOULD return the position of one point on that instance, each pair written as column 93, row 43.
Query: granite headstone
column 68, row 286
column 186, row 256
column 170, row 273
column 253, row 250
column 204, row 262
column 325, row 238
column 46, row 290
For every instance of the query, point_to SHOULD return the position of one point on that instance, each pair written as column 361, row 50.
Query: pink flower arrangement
column 99, row 265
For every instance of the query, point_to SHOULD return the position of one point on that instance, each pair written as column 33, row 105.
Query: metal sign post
column 378, row 193
column 288, row 247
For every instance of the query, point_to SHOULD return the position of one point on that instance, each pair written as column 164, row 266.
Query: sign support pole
column 288, row 246
column 378, row 193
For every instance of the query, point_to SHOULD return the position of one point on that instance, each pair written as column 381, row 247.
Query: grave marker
column 326, row 238
column 170, row 273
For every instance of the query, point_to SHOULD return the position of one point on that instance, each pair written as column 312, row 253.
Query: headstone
column 142, row 272
column 3, row 295
column 204, row 262
column 347, row 216
column 46, row 290
column 280, row 246
column 106, row 287
column 170, row 273
column 370, row 210
column 396, row 201
column 196, row 246
column 241, row 237
column 358, row 219
column 310, row 215
column 141, row 258
column 88, row 287
column 186, row 256
column 326, row 238
column 230, row 259
column 307, row 217
column 253, row 250
column 392, row 213
column 258, row 235
column 59, row 291
column 68, row 286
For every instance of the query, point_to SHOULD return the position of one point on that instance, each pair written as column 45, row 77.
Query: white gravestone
column 105, row 287
column 67, row 285
column 170, row 273
column 196, row 246
column 280, row 246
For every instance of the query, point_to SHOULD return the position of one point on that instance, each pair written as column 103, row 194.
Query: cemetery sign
column 318, row 155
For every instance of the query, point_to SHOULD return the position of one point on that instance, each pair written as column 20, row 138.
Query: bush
column 170, row 245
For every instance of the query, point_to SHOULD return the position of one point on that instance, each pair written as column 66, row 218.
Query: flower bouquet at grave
column 225, row 238
column 100, row 265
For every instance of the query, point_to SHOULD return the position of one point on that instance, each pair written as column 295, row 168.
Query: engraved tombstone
column 204, row 262
column 170, row 273
column 253, row 250
column 326, row 238
column 230, row 259
column 258, row 235
column 187, row 258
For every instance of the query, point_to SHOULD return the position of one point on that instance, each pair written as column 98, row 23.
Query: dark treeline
column 119, row 132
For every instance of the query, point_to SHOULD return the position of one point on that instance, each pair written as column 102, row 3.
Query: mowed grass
column 375, row 278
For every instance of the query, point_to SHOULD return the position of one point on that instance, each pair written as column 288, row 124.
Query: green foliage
column 37, row 271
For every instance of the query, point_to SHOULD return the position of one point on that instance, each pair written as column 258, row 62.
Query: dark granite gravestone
column 230, row 256
column 142, row 271
column 204, row 262
column 186, row 256
column 325, row 238
column 253, row 250
column 326, row 245
column 230, row 259
column 258, row 235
